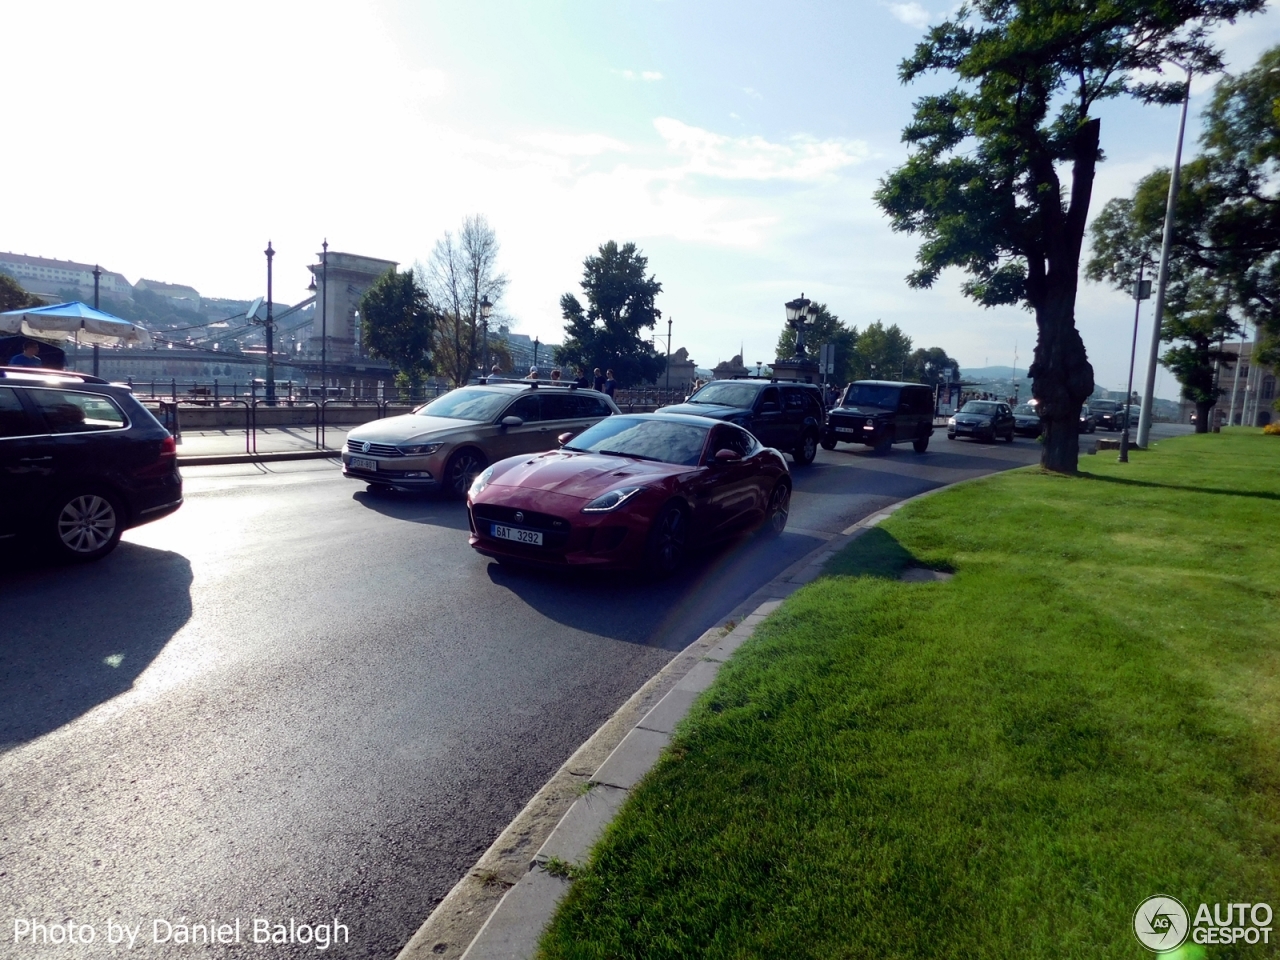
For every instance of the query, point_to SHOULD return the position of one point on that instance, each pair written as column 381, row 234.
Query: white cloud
column 912, row 14
column 754, row 158
column 648, row 76
column 576, row 145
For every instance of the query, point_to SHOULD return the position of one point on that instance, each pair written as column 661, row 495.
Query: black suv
column 1107, row 414
column 880, row 413
column 81, row 461
column 784, row 414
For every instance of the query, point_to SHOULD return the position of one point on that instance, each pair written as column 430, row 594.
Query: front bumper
column 406, row 473
column 602, row 540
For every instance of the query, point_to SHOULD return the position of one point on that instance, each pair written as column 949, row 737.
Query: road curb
column 501, row 906
column 216, row 459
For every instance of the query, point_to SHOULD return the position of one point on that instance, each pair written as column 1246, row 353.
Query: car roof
column 50, row 377
column 889, row 383
column 519, row 386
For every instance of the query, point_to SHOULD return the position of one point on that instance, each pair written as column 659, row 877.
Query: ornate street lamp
column 798, row 310
column 486, row 308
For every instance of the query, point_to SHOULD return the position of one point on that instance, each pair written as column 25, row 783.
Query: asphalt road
column 293, row 699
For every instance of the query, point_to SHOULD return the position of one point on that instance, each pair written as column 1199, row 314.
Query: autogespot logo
column 1160, row 923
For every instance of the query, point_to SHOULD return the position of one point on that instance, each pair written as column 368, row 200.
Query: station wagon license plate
column 516, row 534
column 360, row 463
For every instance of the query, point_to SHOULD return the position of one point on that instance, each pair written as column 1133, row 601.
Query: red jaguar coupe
column 635, row 491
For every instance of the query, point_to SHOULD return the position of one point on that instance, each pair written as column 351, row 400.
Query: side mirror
column 512, row 422
column 768, row 407
column 727, row 456
column 564, row 438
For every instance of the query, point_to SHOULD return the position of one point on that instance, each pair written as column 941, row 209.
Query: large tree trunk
column 1062, row 380
column 1204, row 412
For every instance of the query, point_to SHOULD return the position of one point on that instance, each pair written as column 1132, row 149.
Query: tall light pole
column 324, row 322
column 668, row 354
column 486, row 308
column 535, row 353
column 1141, row 291
column 270, row 325
column 1148, row 393
column 97, row 275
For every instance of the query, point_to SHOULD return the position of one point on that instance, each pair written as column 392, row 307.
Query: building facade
column 43, row 276
column 338, row 292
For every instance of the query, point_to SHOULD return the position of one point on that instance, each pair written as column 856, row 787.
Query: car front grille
column 555, row 530
column 375, row 449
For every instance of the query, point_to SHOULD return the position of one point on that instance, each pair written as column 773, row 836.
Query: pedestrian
column 610, row 384
column 29, row 357
column 555, row 374
column 598, row 383
column 533, row 374
column 581, row 379
column 495, row 374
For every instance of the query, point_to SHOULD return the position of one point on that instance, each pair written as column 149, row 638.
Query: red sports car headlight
column 611, row 500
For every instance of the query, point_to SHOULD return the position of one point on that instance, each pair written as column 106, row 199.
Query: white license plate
column 846, row 429
column 516, row 534
column 360, row 463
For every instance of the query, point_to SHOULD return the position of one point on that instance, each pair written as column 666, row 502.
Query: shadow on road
column 432, row 508
column 667, row 613
column 82, row 636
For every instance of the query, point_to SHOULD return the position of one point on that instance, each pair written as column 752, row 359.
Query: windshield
column 870, row 395
column 727, row 392
column 1025, row 410
column 467, row 403
column 985, row 407
column 644, row 439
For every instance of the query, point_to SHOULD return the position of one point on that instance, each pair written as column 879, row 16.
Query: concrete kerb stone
column 474, row 921
column 218, row 459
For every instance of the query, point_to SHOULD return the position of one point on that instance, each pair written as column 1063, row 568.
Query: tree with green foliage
column 931, row 365
column 13, row 296
column 825, row 328
column 883, row 353
column 620, row 305
column 984, row 185
column 399, row 325
column 1198, row 294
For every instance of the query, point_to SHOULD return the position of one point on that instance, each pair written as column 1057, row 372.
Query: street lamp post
column 324, row 325
column 1141, row 291
column 535, row 353
column 668, row 355
column 270, row 324
column 97, row 275
column 486, row 308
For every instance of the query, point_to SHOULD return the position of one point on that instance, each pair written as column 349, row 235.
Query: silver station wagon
column 444, row 444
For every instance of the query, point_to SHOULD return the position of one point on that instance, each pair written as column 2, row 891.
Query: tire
column 883, row 447
column 920, row 444
column 808, row 449
column 828, row 444
column 775, row 517
column 668, row 542
column 85, row 524
column 462, row 468
column 1009, row 438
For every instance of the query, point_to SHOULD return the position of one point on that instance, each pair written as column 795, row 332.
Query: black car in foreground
column 982, row 420
column 81, row 461
column 880, row 413
column 784, row 414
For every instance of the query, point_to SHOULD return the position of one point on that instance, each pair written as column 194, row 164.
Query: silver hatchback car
column 444, row 444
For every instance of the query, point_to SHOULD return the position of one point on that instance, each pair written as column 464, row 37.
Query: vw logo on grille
column 519, row 516
column 364, row 447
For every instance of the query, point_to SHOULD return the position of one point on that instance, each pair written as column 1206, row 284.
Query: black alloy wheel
column 828, row 443
column 667, row 544
column 85, row 525
column 807, row 450
column 920, row 444
column 461, row 470
column 775, row 520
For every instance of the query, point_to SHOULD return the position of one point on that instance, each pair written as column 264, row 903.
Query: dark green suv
column 880, row 413
column 784, row 414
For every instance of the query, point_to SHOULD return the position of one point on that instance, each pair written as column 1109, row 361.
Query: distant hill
column 991, row 373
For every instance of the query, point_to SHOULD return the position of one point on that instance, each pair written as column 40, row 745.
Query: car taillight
column 168, row 447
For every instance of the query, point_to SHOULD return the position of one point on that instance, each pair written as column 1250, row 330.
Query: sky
column 737, row 144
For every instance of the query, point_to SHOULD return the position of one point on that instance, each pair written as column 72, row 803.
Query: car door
column 794, row 410
column 26, row 461
column 532, row 436
column 567, row 412
column 729, row 490
column 767, row 419
column 1004, row 420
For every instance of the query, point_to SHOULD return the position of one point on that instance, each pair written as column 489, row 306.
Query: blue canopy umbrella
column 73, row 321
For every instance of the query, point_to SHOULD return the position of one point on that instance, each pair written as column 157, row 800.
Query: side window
column 560, row 406
column 14, row 421
column 793, row 398
column 526, row 408
column 596, row 407
column 768, row 395
column 921, row 401
column 731, row 438
column 68, row 412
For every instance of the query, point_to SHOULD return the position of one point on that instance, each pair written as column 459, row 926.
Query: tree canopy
column 13, row 296
column 984, row 187
column 399, row 325
column 621, row 304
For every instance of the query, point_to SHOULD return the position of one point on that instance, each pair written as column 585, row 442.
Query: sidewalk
column 200, row 447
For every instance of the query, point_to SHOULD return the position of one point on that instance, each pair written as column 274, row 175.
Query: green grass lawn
column 1002, row 765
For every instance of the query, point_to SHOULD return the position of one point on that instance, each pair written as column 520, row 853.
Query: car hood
column 973, row 417
column 583, row 476
column 408, row 426
column 863, row 411
column 717, row 411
